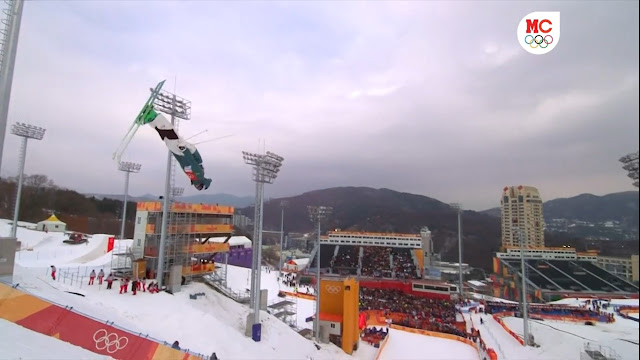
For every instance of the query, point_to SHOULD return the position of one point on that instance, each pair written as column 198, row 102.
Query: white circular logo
column 332, row 289
column 109, row 342
column 539, row 32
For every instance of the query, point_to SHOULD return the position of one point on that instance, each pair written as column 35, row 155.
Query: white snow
column 408, row 346
column 18, row 342
column 239, row 280
column 565, row 340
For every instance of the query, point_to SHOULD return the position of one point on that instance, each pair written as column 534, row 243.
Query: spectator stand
column 550, row 312
column 623, row 311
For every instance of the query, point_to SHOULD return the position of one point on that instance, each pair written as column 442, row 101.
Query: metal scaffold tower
column 178, row 108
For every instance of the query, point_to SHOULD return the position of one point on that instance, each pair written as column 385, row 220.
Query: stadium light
column 630, row 162
column 283, row 204
column 26, row 132
column 318, row 214
column 178, row 108
column 127, row 168
column 8, row 48
column 458, row 208
column 265, row 170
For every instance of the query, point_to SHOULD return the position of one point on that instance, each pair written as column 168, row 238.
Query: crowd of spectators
column 417, row 312
column 546, row 309
column 403, row 264
column 347, row 257
column 374, row 335
column 376, row 261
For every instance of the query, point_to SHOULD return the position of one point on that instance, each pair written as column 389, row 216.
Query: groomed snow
column 18, row 342
column 565, row 340
column 239, row 280
column 404, row 345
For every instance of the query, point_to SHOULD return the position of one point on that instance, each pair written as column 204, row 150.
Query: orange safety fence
column 498, row 318
column 434, row 334
column 300, row 295
column 382, row 345
column 483, row 346
column 69, row 326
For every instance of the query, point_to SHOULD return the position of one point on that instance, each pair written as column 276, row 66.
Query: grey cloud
column 470, row 111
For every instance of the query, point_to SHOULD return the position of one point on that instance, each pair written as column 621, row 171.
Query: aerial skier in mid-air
column 184, row 152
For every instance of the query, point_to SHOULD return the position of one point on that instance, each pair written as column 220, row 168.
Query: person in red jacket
column 123, row 286
column 100, row 276
column 53, row 272
column 110, row 279
column 92, row 276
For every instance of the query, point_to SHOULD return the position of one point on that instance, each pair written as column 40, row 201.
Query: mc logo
column 539, row 32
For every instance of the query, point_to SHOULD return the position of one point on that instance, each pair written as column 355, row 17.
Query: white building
column 52, row 224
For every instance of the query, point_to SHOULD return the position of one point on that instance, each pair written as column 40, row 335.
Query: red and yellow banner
column 96, row 336
column 156, row 206
column 194, row 229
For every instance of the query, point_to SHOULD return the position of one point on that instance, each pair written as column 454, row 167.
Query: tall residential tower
column 522, row 208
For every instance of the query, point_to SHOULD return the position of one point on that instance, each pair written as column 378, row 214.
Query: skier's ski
column 139, row 120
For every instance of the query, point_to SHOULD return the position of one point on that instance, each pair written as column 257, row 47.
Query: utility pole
column 525, row 312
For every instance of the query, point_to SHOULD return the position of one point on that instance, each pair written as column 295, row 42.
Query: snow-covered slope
column 407, row 346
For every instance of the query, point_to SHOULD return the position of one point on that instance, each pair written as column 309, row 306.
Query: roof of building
column 52, row 219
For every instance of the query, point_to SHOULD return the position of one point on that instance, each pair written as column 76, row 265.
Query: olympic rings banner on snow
column 539, row 32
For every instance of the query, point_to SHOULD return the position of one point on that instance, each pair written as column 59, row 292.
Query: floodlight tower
column 8, row 49
column 178, row 108
column 128, row 168
column 630, row 162
column 318, row 214
column 265, row 170
column 283, row 204
column 26, row 132
column 458, row 208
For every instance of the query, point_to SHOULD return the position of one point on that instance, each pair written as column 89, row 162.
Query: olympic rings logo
column 332, row 289
column 538, row 41
column 109, row 342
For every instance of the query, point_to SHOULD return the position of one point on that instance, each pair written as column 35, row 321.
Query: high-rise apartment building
column 522, row 211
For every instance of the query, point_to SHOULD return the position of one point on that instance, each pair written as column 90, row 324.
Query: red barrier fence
column 63, row 323
column 498, row 318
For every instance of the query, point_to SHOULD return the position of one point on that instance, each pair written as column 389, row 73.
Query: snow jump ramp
column 64, row 324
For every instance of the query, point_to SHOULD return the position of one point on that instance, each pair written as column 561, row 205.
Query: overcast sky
column 433, row 98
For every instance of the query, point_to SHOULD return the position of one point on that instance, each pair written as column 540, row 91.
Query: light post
column 178, row 108
column 128, row 168
column 318, row 214
column 8, row 48
column 26, row 132
column 458, row 208
column 283, row 204
column 265, row 170
column 525, row 311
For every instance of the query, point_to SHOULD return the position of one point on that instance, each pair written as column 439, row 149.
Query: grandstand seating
column 607, row 276
column 376, row 261
column 403, row 264
column 346, row 259
column 579, row 276
column 578, row 273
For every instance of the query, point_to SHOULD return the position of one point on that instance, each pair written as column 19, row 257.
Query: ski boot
column 147, row 115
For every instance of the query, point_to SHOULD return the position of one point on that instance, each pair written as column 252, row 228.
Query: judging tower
column 189, row 250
